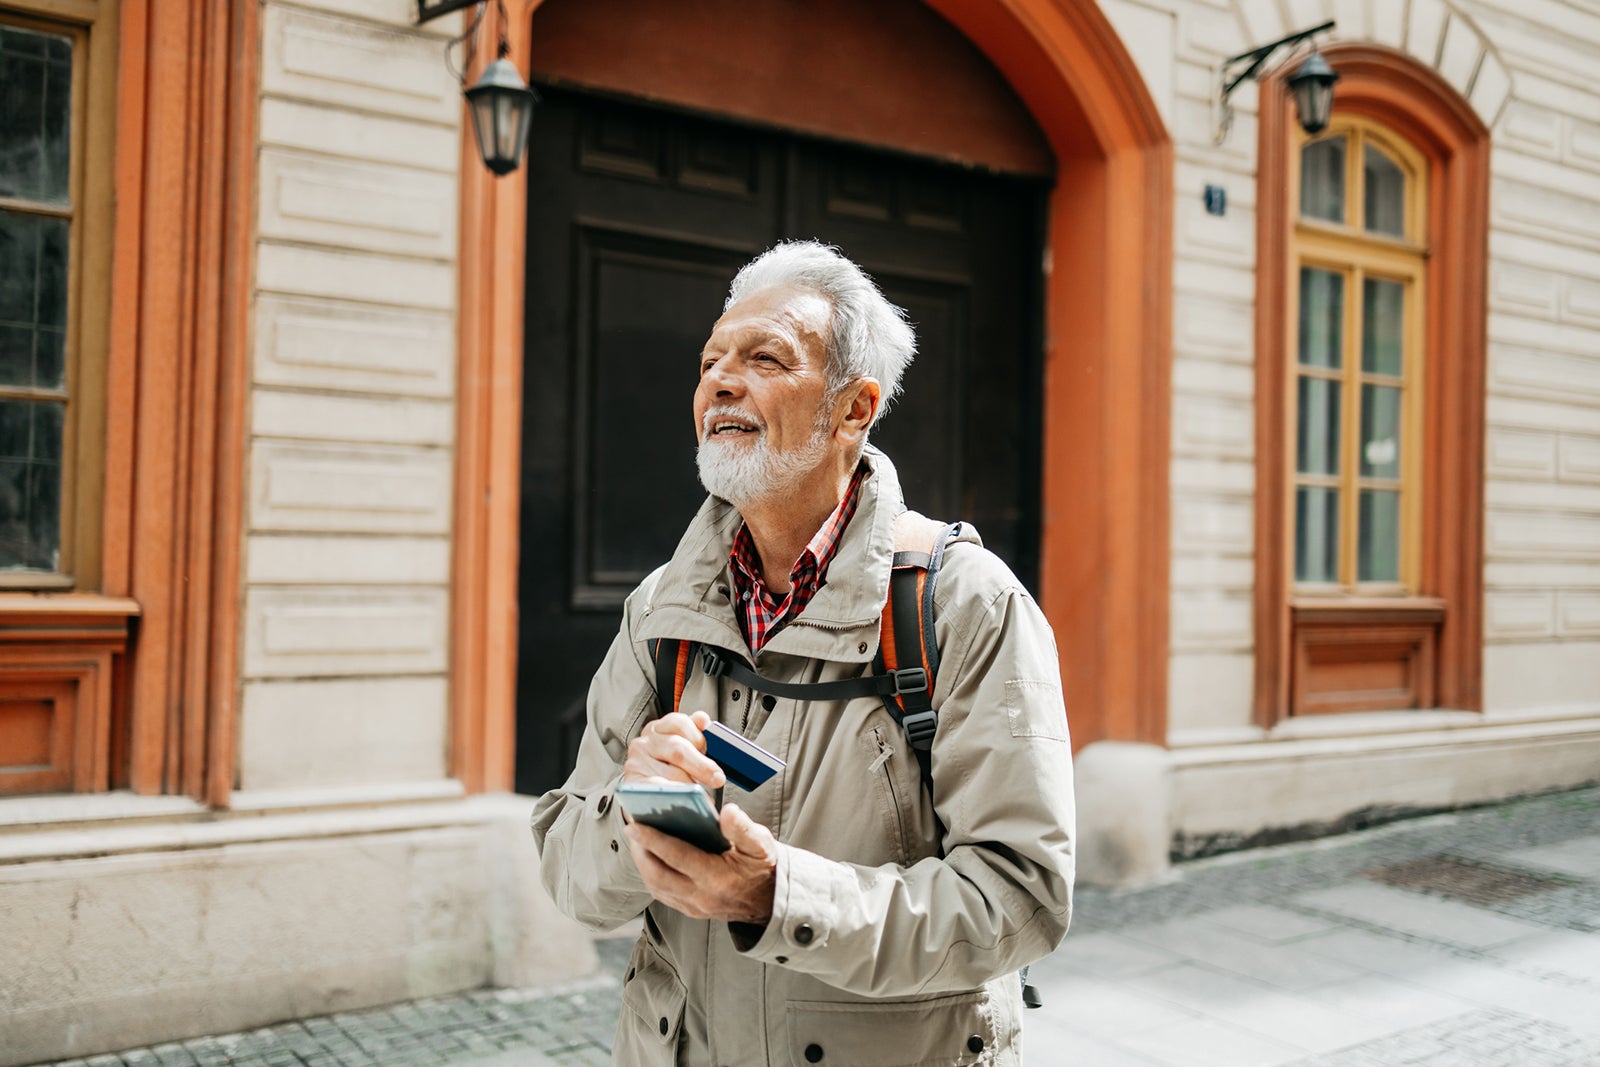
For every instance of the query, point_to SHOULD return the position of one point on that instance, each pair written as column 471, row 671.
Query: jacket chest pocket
column 879, row 744
column 653, row 999
column 957, row 1029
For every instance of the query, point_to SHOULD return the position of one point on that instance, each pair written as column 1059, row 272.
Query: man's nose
column 722, row 376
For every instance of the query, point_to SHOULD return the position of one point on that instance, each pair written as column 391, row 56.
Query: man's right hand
column 673, row 749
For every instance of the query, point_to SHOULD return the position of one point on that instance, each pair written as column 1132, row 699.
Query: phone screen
column 680, row 809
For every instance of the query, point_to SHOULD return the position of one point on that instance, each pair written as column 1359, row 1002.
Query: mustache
column 728, row 412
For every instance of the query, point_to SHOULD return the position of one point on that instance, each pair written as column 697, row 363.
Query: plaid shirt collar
column 761, row 614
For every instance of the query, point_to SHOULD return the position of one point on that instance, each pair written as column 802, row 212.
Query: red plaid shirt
column 762, row 615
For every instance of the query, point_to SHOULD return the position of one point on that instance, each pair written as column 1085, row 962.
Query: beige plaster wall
column 1532, row 73
column 347, row 561
column 146, row 932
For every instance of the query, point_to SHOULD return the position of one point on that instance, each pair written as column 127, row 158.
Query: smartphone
column 681, row 809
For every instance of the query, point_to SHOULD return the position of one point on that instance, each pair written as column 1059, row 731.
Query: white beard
column 744, row 474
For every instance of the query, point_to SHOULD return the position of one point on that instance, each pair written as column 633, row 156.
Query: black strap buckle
column 910, row 680
column 712, row 661
column 920, row 727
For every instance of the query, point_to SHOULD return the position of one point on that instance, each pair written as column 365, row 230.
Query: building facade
column 321, row 474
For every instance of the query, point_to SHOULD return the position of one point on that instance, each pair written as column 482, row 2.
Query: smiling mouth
column 728, row 429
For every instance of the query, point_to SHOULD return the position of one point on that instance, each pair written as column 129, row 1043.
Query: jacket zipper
column 881, row 763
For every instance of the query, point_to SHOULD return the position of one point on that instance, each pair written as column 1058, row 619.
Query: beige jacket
column 879, row 950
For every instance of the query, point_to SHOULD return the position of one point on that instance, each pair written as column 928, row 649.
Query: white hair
column 867, row 336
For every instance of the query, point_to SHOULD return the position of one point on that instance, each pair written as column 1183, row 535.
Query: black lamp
column 1311, row 84
column 1312, row 87
column 501, row 104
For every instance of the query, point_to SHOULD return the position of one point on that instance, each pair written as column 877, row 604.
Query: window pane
column 1386, row 193
column 1380, row 431
column 1322, row 180
column 36, row 85
column 1379, row 546
column 33, row 300
column 1317, row 435
column 1316, row 534
column 1321, row 318
column 30, row 484
column 1382, row 326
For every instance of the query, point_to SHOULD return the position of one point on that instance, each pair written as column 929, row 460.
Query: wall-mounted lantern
column 500, row 102
column 1311, row 84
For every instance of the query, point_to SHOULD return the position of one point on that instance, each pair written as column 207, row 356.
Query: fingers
column 748, row 837
column 673, row 747
column 733, row 886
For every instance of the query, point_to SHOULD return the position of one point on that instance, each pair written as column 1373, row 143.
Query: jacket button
column 769, row 702
column 813, row 1053
column 862, row 647
column 975, row 1043
column 613, row 844
column 734, row 695
column 781, row 959
column 603, row 805
column 803, row 935
column 664, row 1026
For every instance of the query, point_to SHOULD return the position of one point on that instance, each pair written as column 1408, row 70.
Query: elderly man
column 861, row 916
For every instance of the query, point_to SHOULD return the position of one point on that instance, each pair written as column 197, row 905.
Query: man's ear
column 858, row 408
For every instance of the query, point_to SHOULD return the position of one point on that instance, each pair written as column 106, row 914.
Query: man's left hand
column 735, row 886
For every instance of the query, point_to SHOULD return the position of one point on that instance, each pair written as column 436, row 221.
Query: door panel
column 637, row 221
column 633, row 450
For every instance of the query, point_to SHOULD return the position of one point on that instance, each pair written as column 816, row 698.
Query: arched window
column 1356, row 332
column 1370, row 342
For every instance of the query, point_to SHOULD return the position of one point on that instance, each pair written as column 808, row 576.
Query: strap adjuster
column 712, row 661
column 910, row 680
column 920, row 727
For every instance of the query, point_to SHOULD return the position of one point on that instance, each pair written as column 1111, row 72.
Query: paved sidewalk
column 1467, row 940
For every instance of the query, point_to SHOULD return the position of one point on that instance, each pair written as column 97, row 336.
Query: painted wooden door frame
column 1108, row 299
column 177, row 379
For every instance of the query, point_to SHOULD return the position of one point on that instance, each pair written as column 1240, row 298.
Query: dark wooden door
column 638, row 219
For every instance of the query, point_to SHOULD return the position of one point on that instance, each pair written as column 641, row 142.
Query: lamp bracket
column 1256, row 58
column 427, row 10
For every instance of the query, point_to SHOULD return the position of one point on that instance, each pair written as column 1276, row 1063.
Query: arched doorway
column 1106, row 302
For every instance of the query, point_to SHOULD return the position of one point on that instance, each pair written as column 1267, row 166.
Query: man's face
column 758, row 409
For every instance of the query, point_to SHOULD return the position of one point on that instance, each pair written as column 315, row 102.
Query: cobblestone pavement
column 1462, row 940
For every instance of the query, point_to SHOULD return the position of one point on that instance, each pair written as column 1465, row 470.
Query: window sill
column 1379, row 611
column 57, row 617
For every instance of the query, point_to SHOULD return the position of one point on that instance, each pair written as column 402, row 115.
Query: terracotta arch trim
column 1104, row 562
column 1388, row 87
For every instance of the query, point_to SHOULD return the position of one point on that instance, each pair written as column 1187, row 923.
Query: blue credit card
column 746, row 763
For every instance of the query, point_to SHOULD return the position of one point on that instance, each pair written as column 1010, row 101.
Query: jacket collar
column 691, row 597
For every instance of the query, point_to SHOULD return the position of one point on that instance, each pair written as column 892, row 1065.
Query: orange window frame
column 1424, row 648
column 1354, row 254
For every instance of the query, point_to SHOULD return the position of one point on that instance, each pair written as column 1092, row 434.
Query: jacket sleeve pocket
column 957, row 1029
column 653, row 997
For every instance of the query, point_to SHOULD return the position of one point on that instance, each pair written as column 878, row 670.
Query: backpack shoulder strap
column 672, row 658
column 908, row 639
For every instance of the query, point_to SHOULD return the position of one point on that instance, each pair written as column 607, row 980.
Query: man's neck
column 782, row 527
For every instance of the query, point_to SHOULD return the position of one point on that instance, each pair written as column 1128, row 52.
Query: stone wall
column 1542, row 617
column 1531, row 71
column 347, row 564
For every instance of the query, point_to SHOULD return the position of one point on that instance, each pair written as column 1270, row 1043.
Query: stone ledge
column 1271, row 748
column 166, row 827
